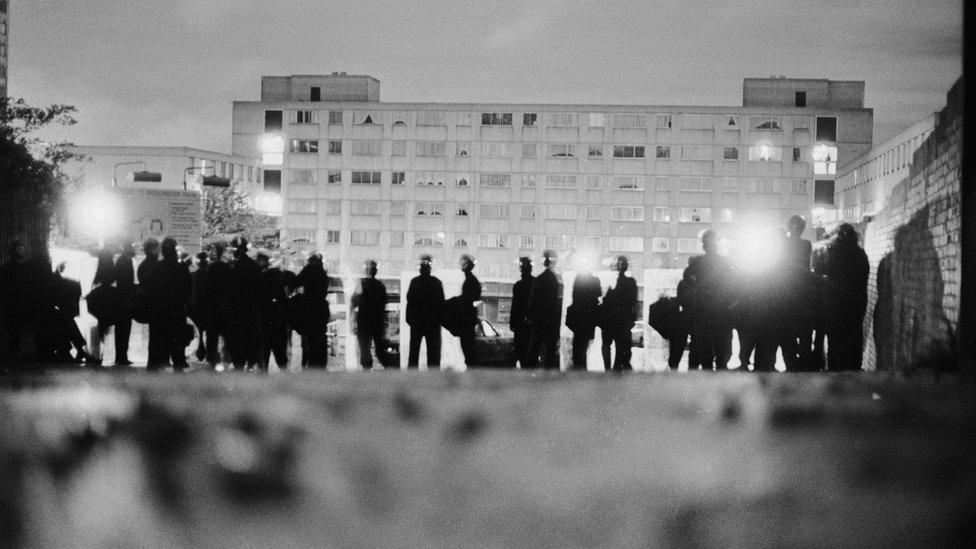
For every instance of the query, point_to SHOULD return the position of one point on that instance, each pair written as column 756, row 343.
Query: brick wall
column 913, row 245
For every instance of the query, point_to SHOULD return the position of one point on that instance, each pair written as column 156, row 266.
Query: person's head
column 846, row 235
column 796, row 225
column 217, row 251
column 263, row 260
column 549, row 258
column 126, row 249
column 525, row 265
column 240, row 246
column 151, row 247
column 202, row 258
column 709, row 240
column 466, row 263
column 425, row 264
column 622, row 264
column 168, row 248
column 369, row 268
column 314, row 259
column 60, row 268
column 18, row 250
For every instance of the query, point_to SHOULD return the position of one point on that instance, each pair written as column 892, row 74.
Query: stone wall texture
column 914, row 247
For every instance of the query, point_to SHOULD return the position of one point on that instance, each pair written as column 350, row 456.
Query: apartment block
column 864, row 187
column 360, row 178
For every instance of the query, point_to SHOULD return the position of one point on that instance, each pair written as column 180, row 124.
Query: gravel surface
column 485, row 459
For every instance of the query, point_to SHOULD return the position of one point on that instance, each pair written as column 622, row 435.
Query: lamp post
column 152, row 177
column 115, row 180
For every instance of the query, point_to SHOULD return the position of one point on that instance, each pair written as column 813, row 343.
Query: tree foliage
column 226, row 213
column 31, row 176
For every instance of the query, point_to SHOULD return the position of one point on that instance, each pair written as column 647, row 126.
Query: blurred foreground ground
column 485, row 458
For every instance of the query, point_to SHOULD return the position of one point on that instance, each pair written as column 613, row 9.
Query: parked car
column 494, row 348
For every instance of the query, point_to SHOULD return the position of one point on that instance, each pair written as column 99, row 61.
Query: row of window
column 548, row 181
column 826, row 126
column 825, row 158
column 508, row 241
column 554, row 212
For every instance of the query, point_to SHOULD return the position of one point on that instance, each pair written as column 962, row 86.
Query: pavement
column 126, row 458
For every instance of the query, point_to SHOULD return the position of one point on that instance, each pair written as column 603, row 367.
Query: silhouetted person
column 680, row 326
column 710, row 304
column 369, row 301
column 543, row 311
column 773, row 306
column 68, row 293
column 845, row 272
column 16, row 298
column 619, row 313
column 144, row 274
column 517, row 315
column 104, row 298
column 244, row 323
column 313, row 283
column 468, row 317
column 201, row 302
column 216, row 301
column 801, row 298
column 274, row 330
column 425, row 306
column 169, row 294
column 125, row 285
column 581, row 315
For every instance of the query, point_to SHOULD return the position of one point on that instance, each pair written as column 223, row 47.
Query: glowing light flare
column 269, row 204
column 584, row 260
column 273, row 150
column 758, row 248
column 97, row 214
column 765, row 153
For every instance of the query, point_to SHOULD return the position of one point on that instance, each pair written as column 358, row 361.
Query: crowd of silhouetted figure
column 806, row 305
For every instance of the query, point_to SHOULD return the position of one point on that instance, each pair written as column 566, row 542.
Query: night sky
column 146, row 72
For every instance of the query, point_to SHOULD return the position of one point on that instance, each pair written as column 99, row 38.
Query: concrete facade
column 364, row 179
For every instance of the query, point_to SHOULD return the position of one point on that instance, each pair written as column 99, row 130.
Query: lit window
column 626, row 244
column 562, row 150
column 824, row 160
column 627, row 213
column 492, row 148
column 594, row 212
column 559, row 120
column 772, row 123
column 273, row 149
column 560, row 211
column 662, row 215
column 398, row 148
column 597, row 119
column 561, row 181
column 630, row 121
column 431, row 118
column 628, row 182
column 304, row 146
column 594, row 182
column 494, row 211
column 529, row 150
column 765, row 153
column 302, row 177
column 364, row 207
column 493, row 241
column 695, row 215
column 429, row 239
column 396, row 239
column 302, row 206
column 663, row 121
column 660, row 244
column 364, row 238
column 528, row 211
column 694, row 184
column 367, row 147
column 526, row 241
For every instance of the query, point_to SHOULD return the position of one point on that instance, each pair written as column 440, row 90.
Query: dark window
column 316, row 94
column 272, row 121
column 796, row 154
column 272, row 181
column 826, row 128
column 823, row 192
column 801, row 99
column 529, row 118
